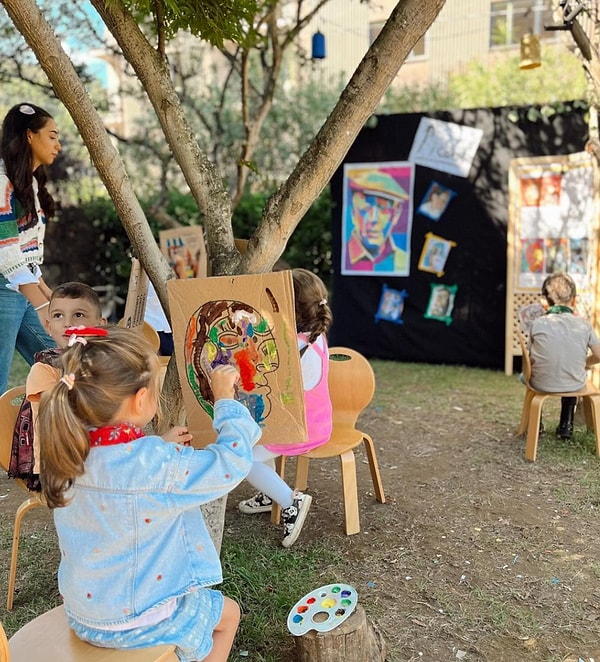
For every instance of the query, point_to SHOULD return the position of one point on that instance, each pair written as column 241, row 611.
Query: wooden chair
column 49, row 638
column 351, row 387
column 10, row 402
column 534, row 400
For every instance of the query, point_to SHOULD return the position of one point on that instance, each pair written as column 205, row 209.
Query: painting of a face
column 231, row 332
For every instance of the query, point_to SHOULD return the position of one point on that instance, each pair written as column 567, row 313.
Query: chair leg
column 533, row 427
column 12, row 573
column 588, row 411
column 522, row 429
column 301, row 472
column 348, row 464
column 593, row 404
column 374, row 467
column 276, row 508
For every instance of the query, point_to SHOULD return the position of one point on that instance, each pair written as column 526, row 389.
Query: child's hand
column 223, row 380
column 179, row 435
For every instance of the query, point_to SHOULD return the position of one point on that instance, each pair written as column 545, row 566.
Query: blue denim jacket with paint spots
column 133, row 535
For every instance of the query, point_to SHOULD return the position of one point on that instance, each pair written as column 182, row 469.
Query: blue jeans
column 20, row 328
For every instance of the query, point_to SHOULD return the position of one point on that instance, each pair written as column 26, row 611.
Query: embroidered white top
column 21, row 239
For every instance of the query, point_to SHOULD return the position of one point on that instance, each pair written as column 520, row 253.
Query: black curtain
column 476, row 219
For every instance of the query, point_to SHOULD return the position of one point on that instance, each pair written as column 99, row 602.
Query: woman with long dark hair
column 29, row 143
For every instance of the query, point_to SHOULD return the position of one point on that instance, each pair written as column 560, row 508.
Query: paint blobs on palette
column 322, row 609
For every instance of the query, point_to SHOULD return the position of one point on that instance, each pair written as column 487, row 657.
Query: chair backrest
column 526, row 364
column 351, row 384
column 10, row 403
column 148, row 331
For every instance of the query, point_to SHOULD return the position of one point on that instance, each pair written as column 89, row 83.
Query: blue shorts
column 189, row 628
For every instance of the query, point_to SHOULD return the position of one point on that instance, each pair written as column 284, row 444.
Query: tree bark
column 355, row 640
column 200, row 174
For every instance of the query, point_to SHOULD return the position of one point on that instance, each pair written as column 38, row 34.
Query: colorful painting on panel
column 247, row 321
column 435, row 254
column 436, row 200
column 377, row 218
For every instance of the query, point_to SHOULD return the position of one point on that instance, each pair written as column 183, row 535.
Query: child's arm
column 215, row 470
column 594, row 357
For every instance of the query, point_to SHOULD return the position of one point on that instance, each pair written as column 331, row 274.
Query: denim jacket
column 133, row 535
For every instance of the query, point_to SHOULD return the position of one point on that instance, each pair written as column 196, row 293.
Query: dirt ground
column 476, row 555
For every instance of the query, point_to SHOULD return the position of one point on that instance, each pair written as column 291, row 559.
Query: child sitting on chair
column 313, row 319
column 137, row 561
column 558, row 346
column 71, row 304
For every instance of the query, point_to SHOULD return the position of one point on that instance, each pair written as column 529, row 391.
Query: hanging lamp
column 530, row 52
column 318, row 46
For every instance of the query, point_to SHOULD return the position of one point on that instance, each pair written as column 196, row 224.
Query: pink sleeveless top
column 317, row 403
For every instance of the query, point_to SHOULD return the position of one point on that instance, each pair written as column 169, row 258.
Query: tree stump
column 355, row 640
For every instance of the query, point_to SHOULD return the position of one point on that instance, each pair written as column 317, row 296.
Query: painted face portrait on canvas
column 231, row 332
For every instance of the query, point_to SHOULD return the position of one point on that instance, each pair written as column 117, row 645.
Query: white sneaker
column 293, row 518
column 259, row 503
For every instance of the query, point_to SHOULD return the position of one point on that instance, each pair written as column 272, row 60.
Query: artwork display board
column 552, row 227
column 447, row 303
column 247, row 321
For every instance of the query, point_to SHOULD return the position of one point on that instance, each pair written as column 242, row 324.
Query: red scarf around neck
column 109, row 435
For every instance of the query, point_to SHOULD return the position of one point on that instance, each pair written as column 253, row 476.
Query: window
column 418, row 52
column 511, row 19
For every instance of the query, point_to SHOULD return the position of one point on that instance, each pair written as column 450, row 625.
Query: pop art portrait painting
column 249, row 322
column 377, row 219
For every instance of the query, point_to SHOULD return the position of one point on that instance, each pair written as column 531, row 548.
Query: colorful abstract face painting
column 248, row 321
column 231, row 333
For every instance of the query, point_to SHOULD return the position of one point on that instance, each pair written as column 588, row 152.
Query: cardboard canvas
column 247, row 321
column 185, row 250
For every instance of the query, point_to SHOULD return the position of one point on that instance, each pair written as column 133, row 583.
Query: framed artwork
column 391, row 305
column 435, row 253
column 441, row 302
column 247, row 321
column 185, row 250
column 552, row 227
column 377, row 219
column 528, row 313
column 435, row 201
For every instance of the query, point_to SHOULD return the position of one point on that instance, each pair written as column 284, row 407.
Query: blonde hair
column 99, row 373
column 559, row 288
column 313, row 314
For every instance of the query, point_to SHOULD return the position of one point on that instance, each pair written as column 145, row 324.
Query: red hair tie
column 86, row 331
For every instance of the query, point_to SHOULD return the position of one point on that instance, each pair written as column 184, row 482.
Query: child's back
column 136, row 556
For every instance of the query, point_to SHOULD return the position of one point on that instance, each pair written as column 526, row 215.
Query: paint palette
column 322, row 609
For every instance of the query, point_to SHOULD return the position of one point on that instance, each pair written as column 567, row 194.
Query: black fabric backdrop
column 476, row 219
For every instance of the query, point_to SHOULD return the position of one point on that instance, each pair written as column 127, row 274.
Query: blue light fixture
column 318, row 46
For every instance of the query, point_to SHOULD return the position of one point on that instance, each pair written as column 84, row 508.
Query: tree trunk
column 355, row 640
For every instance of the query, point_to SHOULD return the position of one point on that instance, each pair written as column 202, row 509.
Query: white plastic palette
column 322, row 609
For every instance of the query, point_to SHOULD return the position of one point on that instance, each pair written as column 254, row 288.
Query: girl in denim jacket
column 136, row 556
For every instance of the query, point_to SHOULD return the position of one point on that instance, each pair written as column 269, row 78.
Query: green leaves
column 215, row 21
